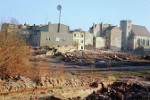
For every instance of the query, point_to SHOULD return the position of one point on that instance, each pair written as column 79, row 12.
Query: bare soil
column 91, row 75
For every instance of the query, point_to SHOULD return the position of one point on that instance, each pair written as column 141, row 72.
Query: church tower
column 125, row 26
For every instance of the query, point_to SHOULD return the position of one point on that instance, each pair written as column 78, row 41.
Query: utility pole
column 59, row 7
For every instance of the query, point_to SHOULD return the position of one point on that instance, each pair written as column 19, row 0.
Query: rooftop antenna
column 59, row 7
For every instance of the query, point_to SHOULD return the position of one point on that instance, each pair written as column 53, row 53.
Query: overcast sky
column 76, row 13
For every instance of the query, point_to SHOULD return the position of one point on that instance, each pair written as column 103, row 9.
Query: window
column 143, row 42
column 147, row 43
column 57, row 39
column 138, row 42
column 81, row 47
column 81, row 41
column 48, row 38
column 81, row 35
column 74, row 35
column 128, row 27
column 64, row 39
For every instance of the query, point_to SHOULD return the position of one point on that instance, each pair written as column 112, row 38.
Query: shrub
column 61, row 87
column 14, row 55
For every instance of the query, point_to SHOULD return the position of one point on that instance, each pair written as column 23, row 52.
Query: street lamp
column 59, row 7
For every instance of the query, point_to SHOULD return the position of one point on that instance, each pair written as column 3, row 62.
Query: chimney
column 49, row 26
column 93, row 28
column 25, row 24
column 101, row 29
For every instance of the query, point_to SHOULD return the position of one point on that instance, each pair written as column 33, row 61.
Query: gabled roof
column 140, row 30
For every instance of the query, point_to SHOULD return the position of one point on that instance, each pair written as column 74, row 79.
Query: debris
column 121, row 91
column 95, row 84
column 146, row 57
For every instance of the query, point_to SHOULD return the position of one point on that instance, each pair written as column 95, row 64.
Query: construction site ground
column 130, row 85
column 88, row 75
column 93, row 60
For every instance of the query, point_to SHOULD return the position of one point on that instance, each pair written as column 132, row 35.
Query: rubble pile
column 46, row 51
column 121, row 91
column 16, row 85
column 90, row 57
column 89, row 47
column 23, row 83
column 117, row 90
column 97, row 58
column 41, row 50
column 76, row 57
column 146, row 57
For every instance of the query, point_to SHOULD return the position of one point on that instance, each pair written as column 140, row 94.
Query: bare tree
column 13, row 21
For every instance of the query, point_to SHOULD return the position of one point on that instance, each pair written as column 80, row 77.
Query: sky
column 76, row 13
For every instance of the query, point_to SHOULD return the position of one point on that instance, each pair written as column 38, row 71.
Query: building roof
column 140, row 30
column 110, row 27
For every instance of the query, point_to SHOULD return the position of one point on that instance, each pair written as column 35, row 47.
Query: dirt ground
column 117, row 84
column 125, row 69
column 88, row 75
column 105, row 85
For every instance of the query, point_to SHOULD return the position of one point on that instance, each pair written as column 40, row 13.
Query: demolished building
column 107, row 36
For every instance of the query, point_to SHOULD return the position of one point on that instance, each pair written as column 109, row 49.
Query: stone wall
column 116, row 39
column 88, row 38
column 99, row 42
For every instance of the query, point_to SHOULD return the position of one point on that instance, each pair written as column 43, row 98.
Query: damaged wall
column 99, row 42
column 88, row 38
column 116, row 39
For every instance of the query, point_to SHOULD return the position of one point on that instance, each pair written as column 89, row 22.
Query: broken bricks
column 121, row 91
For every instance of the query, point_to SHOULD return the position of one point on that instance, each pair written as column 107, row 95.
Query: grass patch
column 118, row 74
column 144, row 72
column 61, row 87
